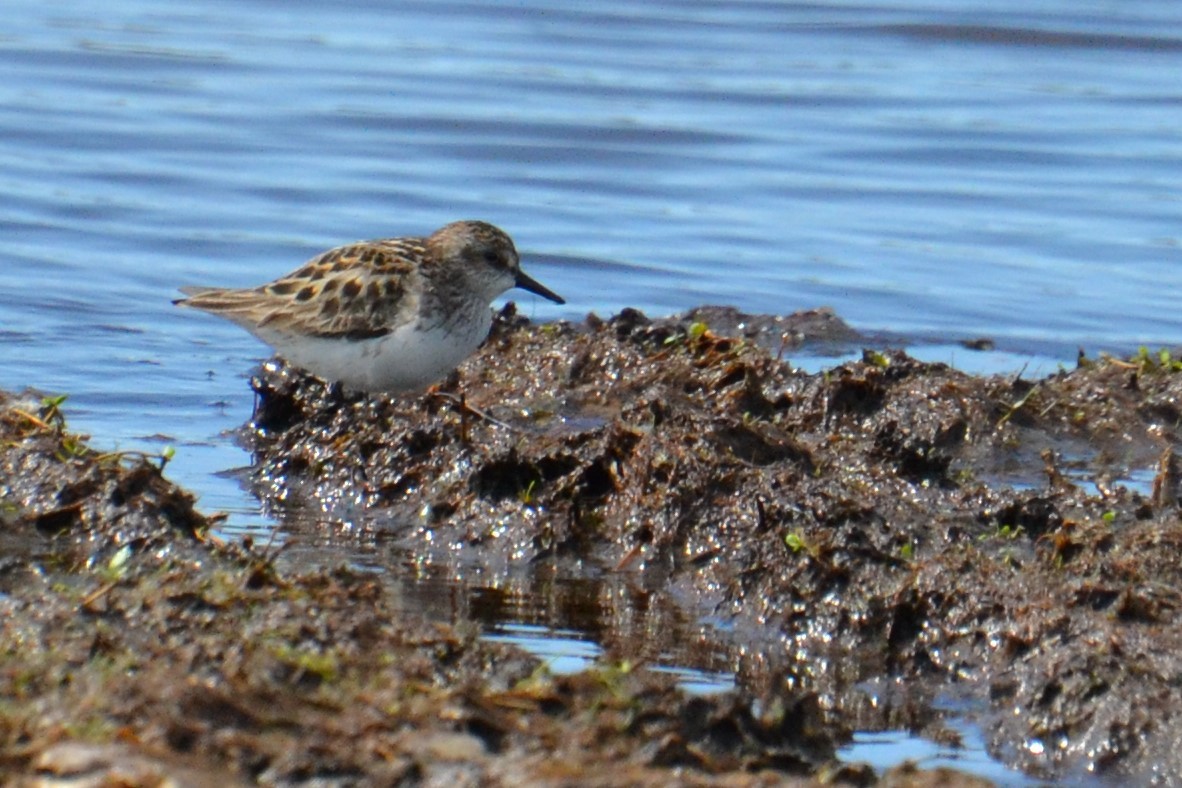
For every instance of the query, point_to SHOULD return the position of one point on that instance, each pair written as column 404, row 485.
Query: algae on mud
column 856, row 515
column 136, row 650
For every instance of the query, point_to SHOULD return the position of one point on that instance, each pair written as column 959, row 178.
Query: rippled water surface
column 929, row 170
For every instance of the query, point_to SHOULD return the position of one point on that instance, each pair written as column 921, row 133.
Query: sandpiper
column 393, row 315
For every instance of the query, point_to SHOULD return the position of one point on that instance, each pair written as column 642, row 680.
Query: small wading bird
column 389, row 315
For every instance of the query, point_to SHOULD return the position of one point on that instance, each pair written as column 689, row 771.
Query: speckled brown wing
column 354, row 292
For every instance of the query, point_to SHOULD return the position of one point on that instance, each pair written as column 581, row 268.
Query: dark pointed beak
column 526, row 282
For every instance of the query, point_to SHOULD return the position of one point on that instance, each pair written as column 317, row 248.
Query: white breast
column 408, row 358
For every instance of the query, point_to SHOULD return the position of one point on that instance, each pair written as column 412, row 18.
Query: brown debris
column 136, row 652
column 887, row 517
column 879, row 537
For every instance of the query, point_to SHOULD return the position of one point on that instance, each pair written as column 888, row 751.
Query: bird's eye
column 492, row 257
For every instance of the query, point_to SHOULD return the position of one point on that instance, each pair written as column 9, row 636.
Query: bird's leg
column 466, row 410
column 464, row 419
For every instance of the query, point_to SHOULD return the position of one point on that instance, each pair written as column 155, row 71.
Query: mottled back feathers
column 356, row 291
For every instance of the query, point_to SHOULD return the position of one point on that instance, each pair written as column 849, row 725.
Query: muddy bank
column 139, row 650
column 884, row 519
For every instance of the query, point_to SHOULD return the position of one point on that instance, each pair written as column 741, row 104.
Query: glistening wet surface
column 804, row 532
column 934, row 173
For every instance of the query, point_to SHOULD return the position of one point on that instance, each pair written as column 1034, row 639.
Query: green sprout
column 876, row 358
column 526, row 496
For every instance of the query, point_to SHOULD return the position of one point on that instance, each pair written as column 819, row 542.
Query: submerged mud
column 884, row 520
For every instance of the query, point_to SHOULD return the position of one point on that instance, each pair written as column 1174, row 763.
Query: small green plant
column 526, row 496
column 1145, row 361
column 795, row 541
column 1017, row 406
column 325, row 665
column 693, row 333
column 1005, row 532
column 115, row 457
column 876, row 358
column 71, row 447
column 51, row 410
column 798, row 543
column 613, row 677
column 539, row 680
column 116, row 567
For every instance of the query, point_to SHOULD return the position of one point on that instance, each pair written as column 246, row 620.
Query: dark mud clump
column 885, row 519
column 137, row 650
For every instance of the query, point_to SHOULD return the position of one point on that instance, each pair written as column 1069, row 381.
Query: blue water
column 885, row 750
column 929, row 169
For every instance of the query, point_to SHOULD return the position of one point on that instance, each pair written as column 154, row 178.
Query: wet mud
column 972, row 538
column 892, row 541
column 138, row 650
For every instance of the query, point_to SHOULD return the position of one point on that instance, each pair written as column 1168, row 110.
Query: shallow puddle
column 567, row 620
column 568, row 651
column 886, row 749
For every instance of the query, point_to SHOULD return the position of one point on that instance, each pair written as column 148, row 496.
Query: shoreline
column 866, row 517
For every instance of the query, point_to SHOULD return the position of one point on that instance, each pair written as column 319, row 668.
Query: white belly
column 403, row 360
